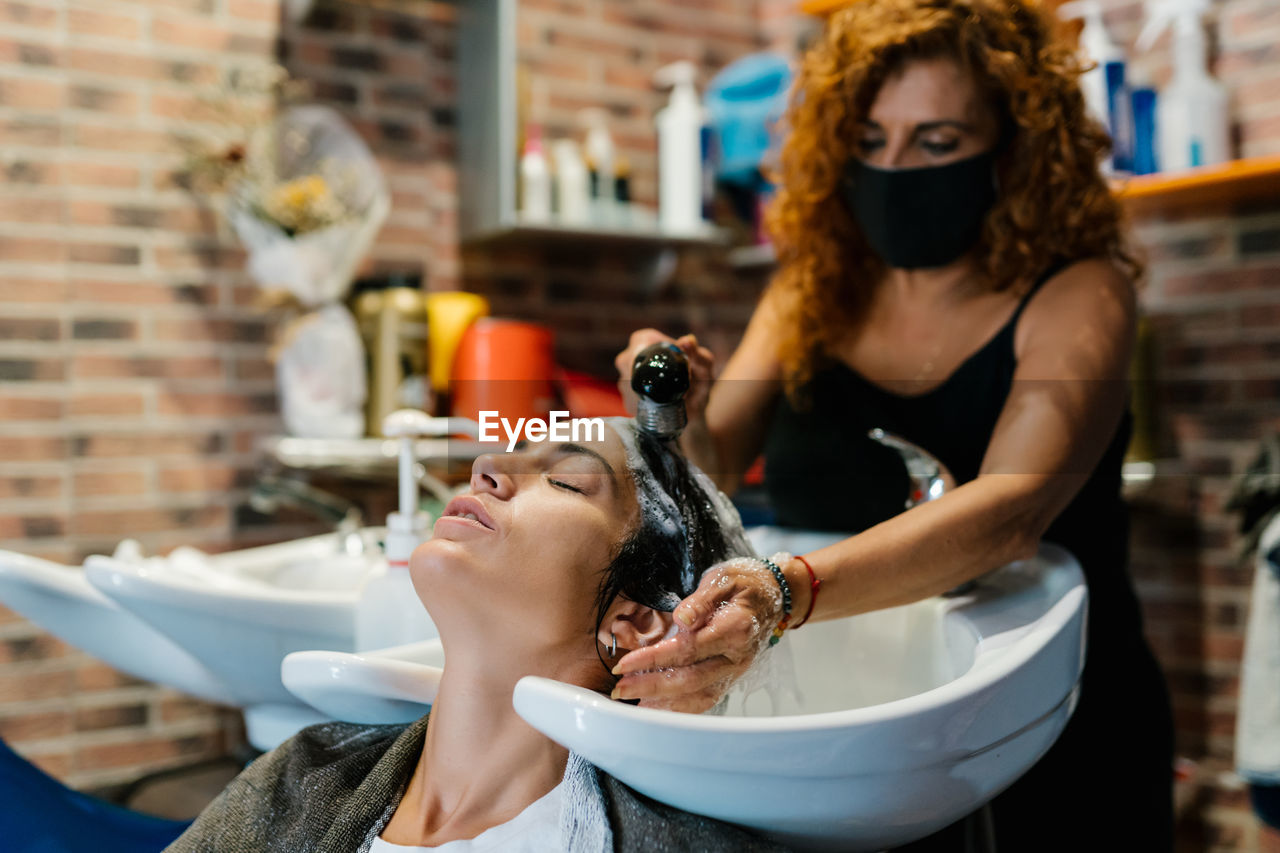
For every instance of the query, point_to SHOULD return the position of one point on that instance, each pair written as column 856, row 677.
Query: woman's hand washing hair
column 721, row 633
column 685, row 522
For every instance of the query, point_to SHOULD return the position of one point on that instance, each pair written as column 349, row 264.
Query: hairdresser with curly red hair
column 952, row 268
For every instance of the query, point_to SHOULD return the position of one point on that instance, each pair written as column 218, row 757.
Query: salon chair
column 39, row 814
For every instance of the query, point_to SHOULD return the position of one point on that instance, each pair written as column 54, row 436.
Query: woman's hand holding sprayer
column 701, row 372
column 737, row 609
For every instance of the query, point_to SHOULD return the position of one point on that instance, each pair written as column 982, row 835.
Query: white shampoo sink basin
column 904, row 719
column 392, row 685
column 240, row 613
column 61, row 600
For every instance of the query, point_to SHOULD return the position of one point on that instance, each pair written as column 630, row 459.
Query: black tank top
column 823, row 473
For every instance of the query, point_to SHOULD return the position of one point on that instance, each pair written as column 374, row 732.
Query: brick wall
column 1213, row 301
column 388, row 67
column 134, row 377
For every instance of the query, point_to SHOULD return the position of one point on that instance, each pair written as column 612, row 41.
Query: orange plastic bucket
column 503, row 366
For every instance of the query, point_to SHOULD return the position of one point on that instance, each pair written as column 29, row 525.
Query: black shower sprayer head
column 660, row 376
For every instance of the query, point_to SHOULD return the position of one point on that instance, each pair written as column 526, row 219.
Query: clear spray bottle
column 1104, row 86
column 1192, row 122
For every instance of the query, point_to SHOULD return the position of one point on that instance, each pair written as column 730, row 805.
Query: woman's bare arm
column 1074, row 342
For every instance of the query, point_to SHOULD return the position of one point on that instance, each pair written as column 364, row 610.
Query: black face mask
column 928, row 217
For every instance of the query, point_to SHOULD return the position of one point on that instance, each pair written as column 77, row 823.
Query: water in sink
column 852, row 663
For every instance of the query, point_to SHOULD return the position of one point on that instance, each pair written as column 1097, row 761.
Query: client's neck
column 481, row 764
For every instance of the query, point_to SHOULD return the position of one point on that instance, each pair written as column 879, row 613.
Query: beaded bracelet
column 786, row 599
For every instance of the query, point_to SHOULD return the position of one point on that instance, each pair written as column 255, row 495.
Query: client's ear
column 633, row 625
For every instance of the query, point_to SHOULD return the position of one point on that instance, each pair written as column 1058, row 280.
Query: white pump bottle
column 680, row 149
column 1192, row 123
column 389, row 612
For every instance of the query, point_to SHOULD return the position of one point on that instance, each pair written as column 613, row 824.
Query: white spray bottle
column 535, row 179
column 1104, row 86
column 680, row 125
column 1192, row 123
column 389, row 612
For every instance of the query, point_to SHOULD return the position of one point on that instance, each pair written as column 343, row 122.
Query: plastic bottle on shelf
column 535, row 179
column 1143, row 98
column 573, row 199
column 1104, row 86
column 602, row 157
column 680, row 150
column 389, row 612
column 622, row 191
column 1192, row 121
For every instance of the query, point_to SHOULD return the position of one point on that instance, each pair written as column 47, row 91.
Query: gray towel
column 584, row 824
column 332, row 787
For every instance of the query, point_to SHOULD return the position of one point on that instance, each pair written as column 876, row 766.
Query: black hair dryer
column 660, row 376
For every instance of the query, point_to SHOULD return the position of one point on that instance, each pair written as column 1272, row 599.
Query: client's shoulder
column 356, row 746
column 642, row 824
column 337, row 738
column 330, row 780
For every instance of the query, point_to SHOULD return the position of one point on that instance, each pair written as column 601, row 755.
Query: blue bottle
column 1121, row 119
column 1144, row 131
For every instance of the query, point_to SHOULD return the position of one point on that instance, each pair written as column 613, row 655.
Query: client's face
column 518, row 559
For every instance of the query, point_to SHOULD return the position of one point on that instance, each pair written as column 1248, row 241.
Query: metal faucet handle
column 930, row 479
column 270, row 492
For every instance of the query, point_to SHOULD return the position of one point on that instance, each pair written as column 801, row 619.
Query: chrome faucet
column 271, row 492
column 929, row 478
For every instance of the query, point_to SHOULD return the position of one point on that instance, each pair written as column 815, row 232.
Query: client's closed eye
column 562, row 484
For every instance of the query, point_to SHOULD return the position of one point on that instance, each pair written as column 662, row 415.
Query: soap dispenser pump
column 1192, row 124
column 389, row 612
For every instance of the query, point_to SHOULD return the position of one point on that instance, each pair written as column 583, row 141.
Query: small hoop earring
column 613, row 644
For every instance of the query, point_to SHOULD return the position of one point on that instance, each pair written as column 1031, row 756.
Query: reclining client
column 559, row 560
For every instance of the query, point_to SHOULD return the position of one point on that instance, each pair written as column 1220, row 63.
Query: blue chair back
column 39, row 814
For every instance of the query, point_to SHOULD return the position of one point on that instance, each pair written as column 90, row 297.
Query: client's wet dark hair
column 650, row 565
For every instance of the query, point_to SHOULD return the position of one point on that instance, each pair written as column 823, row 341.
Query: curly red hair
column 1054, row 206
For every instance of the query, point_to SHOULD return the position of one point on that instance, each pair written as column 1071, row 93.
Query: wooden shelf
column 1207, row 187
column 642, row 234
column 822, row 8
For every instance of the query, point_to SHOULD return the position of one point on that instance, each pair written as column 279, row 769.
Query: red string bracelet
column 814, row 584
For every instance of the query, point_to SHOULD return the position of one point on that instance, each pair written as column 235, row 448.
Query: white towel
column 1258, row 724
